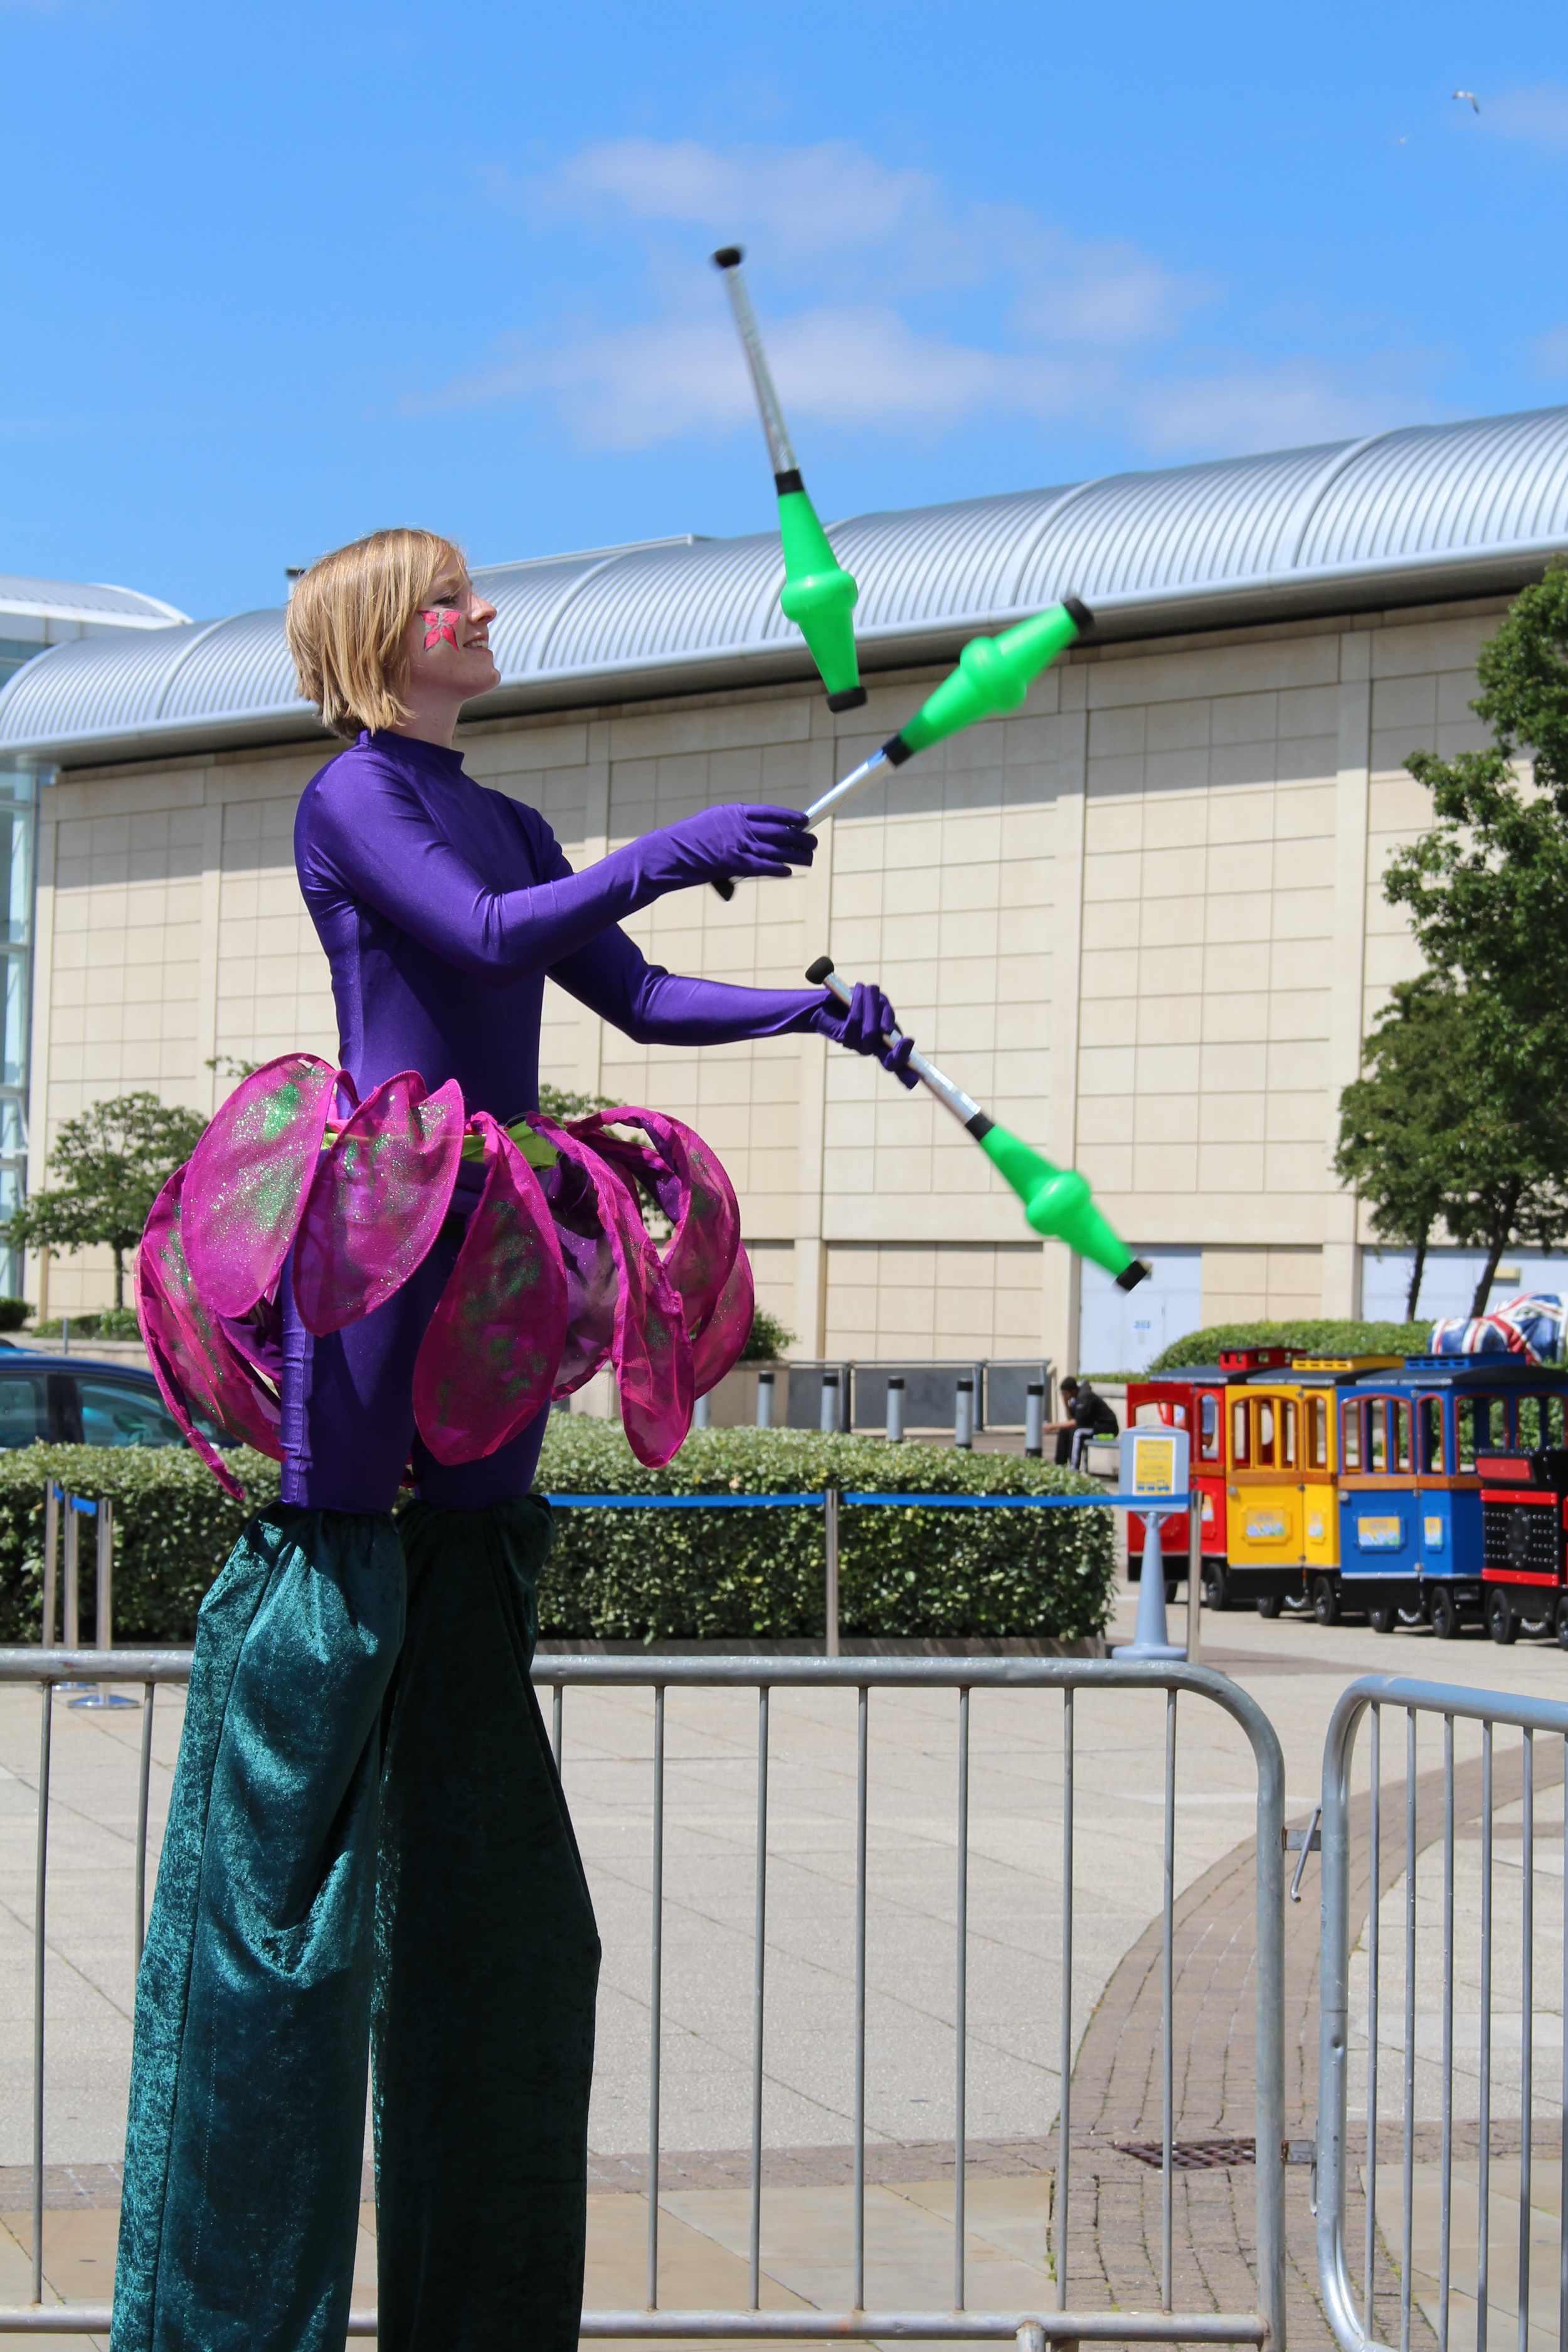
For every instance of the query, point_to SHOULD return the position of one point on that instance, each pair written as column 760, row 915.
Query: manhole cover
column 1192, row 2155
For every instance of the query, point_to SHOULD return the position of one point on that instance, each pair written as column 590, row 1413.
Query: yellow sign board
column 1153, row 1464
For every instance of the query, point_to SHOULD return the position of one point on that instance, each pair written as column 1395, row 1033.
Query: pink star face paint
column 440, row 627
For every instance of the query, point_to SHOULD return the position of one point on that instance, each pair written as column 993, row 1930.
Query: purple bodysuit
column 442, row 906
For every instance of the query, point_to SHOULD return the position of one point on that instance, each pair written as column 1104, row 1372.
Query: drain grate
column 1192, row 2155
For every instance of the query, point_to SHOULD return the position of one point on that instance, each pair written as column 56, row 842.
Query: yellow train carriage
column 1282, row 1439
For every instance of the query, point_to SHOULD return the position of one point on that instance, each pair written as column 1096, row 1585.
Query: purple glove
column 862, row 1026
column 739, row 837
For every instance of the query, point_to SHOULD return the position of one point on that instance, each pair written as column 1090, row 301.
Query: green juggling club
column 1057, row 1200
column 819, row 595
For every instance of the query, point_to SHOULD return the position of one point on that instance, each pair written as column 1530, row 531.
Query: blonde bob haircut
column 347, row 620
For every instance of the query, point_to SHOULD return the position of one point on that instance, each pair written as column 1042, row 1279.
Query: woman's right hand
column 738, row 837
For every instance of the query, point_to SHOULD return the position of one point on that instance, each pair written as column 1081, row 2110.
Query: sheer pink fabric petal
column 650, row 1351
column 593, row 1277
column 377, row 1200
column 718, row 1349
column 249, row 1177
column 695, row 1194
column 197, row 1366
column 488, row 1360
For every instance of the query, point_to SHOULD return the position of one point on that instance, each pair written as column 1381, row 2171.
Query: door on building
column 1124, row 1331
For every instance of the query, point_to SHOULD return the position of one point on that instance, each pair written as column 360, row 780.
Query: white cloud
column 904, row 309
column 1538, row 113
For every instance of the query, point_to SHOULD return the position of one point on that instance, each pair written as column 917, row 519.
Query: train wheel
column 1444, row 1612
column 1325, row 1601
column 1216, row 1585
column 1380, row 1616
column 1501, row 1622
column 1269, row 1605
column 1562, row 1622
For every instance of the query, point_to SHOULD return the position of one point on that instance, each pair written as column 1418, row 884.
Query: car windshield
column 124, row 1413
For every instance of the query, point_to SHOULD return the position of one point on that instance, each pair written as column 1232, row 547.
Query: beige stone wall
column 1142, row 921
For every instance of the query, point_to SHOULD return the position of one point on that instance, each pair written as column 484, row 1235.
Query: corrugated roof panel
column 84, row 600
column 1501, row 482
column 1242, row 536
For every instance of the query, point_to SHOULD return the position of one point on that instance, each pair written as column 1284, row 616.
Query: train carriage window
column 1540, row 1420
column 1377, row 1434
column 1350, row 1436
column 1266, row 1418
column 1483, row 1421
column 1288, row 1420
column 1433, row 1456
column 1209, row 1429
column 1241, row 1452
column 1398, row 1435
column 1317, row 1432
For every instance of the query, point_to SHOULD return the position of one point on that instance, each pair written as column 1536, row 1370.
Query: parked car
column 72, row 1401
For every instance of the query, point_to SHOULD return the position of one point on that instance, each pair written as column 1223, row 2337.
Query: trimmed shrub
column 13, row 1313
column 1316, row 1337
column 634, row 1575
column 666, row 1575
column 173, row 1528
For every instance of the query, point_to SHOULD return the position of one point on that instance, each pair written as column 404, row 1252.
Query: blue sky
column 276, row 276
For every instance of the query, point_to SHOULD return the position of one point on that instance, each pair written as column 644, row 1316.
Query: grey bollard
column 1034, row 1419
column 896, row 1410
column 830, row 1419
column 764, row 1400
column 963, row 1416
column 72, row 1614
column 702, row 1412
column 51, row 1558
column 103, row 1630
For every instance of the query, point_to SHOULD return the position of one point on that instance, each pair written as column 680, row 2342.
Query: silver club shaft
column 952, row 1097
column 774, row 425
column 846, row 785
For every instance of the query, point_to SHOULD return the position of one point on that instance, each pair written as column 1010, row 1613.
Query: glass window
column 1349, row 1434
column 1241, row 1452
column 1209, row 1428
column 1430, row 1414
column 24, row 1407
column 123, row 1413
column 1265, row 1433
column 1540, row 1420
column 1485, row 1422
column 1377, row 1434
column 1398, row 1435
column 1287, row 1419
column 1318, row 1433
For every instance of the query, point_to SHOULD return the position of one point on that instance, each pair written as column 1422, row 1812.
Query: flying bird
column 1471, row 94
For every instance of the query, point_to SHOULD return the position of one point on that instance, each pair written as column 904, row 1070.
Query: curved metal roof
column 1414, row 516
column 90, row 601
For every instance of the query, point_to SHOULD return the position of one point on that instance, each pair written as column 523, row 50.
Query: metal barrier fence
column 859, row 1678
column 1355, row 2327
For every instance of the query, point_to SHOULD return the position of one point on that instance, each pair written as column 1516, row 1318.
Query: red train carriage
column 1194, row 1399
column 1524, row 1542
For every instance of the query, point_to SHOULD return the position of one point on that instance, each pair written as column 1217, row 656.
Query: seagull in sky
column 1471, row 94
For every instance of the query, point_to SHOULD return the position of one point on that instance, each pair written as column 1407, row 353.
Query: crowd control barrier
column 1482, row 2277
column 861, row 1683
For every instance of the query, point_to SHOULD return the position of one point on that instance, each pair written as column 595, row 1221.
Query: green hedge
column 636, row 1575
column 1320, row 1337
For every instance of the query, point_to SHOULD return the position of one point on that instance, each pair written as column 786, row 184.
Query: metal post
column 1152, row 1639
column 830, row 1543
column 896, row 1409
column 829, row 1421
column 702, row 1412
column 73, row 1625
column 103, row 1627
column 963, row 1416
column 65, row 1335
column 980, row 1396
column 1033, row 1420
column 40, row 1890
column 51, row 1558
column 656, row 2000
column 764, row 1400
column 1194, row 1578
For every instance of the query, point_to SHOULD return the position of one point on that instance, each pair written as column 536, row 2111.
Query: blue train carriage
column 1524, row 1540
column 1411, row 1442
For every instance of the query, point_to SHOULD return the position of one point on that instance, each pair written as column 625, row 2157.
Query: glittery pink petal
column 649, row 1349
column 592, row 1281
column 197, row 1366
column 694, row 1191
column 249, row 1177
column 377, row 1200
column 718, row 1349
column 488, row 1360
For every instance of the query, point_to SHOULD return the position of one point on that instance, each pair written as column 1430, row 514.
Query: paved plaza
column 1294, row 1669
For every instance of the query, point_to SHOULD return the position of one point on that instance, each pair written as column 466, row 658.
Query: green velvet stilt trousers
column 366, row 1838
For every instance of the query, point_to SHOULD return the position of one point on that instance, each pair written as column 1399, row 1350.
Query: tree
column 1399, row 1120
column 112, row 1161
column 1488, row 893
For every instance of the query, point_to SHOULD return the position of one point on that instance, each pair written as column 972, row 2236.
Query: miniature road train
column 1423, row 1490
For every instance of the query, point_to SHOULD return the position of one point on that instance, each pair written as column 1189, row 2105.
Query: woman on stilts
column 381, row 1273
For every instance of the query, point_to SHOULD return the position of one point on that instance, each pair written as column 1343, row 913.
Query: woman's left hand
column 862, row 1026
